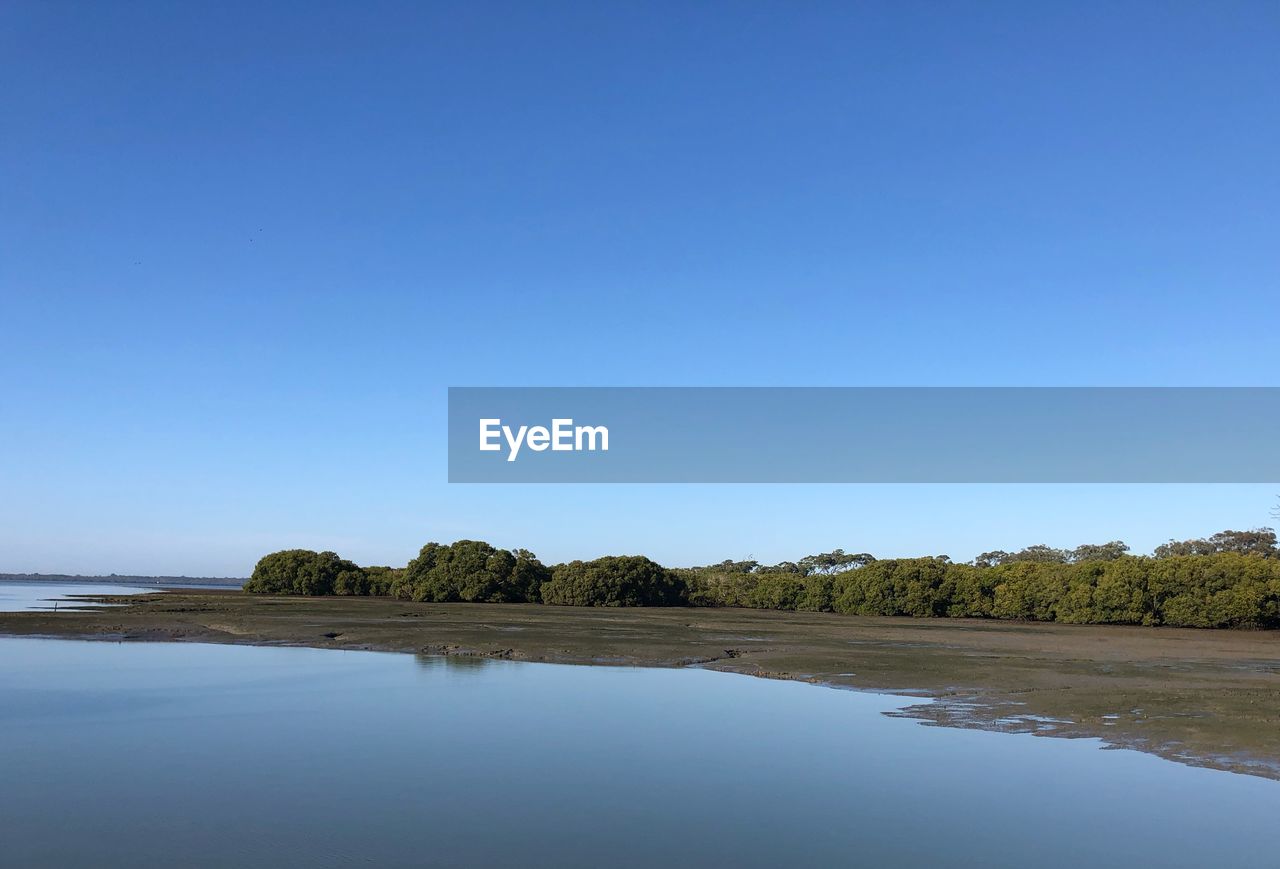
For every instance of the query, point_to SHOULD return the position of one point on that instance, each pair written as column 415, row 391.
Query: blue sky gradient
column 245, row 249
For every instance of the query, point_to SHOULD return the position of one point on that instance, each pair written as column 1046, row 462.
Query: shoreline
column 1199, row 697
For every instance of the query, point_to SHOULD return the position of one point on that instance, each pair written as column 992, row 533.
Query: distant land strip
column 229, row 581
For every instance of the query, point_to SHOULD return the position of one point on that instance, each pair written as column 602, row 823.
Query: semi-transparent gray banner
column 864, row 435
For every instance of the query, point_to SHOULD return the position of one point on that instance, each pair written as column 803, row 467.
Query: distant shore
column 1206, row 698
column 114, row 579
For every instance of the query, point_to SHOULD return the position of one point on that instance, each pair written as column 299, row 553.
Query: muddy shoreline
column 1205, row 698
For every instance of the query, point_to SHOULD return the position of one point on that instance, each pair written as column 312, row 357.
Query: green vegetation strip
column 1230, row 580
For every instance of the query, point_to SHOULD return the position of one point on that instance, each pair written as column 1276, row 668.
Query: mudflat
column 1202, row 697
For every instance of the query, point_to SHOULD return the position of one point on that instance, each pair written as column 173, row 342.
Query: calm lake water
column 16, row 597
column 201, row 755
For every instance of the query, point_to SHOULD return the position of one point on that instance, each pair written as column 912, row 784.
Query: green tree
column 1098, row 551
column 778, row 591
column 368, row 581
column 528, row 575
column 836, row 561
column 1040, row 554
column 615, row 580
column 471, row 570
column 1258, row 541
column 300, row 571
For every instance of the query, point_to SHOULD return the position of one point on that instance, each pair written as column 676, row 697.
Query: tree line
column 474, row 571
column 1229, row 580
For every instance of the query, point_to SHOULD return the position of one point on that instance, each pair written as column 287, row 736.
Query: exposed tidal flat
column 1200, row 697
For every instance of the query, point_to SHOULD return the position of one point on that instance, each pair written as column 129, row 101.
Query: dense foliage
column 1206, row 591
column 471, row 570
column 1230, row 580
column 302, row 571
column 616, row 580
column 367, row 581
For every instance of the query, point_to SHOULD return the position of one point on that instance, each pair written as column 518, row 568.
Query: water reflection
column 16, row 597
column 453, row 663
column 154, row 754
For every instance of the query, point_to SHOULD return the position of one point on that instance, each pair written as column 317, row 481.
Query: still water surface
column 201, row 755
column 16, row 597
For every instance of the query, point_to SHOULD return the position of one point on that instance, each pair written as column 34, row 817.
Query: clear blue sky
column 246, row 248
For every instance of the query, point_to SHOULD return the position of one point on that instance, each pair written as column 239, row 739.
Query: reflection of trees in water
column 452, row 663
